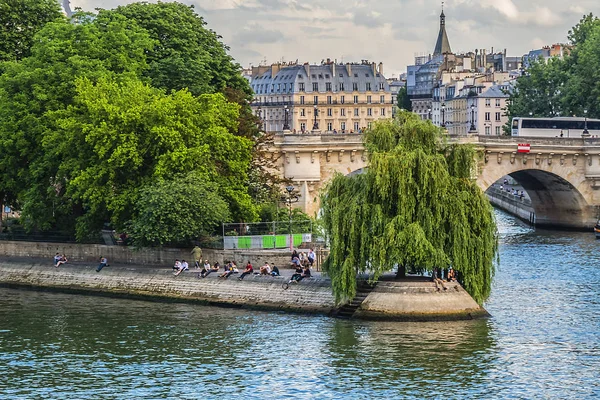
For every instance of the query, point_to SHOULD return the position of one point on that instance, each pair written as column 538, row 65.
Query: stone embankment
column 517, row 206
column 415, row 299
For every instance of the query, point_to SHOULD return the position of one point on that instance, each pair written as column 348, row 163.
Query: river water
column 542, row 341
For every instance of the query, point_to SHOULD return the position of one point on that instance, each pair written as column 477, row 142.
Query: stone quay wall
column 145, row 256
column 141, row 275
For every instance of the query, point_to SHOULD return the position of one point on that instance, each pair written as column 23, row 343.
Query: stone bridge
column 561, row 175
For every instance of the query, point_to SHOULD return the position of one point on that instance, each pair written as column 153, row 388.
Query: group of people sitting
column 436, row 277
column 302, row 259
column 231, row 268
column 180, row 266
column 59, row 259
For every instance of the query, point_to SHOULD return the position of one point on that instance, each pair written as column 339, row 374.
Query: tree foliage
column 20, row 20
column 563, row 87
column 415, row 206
column 403, row 100
column 177, row 210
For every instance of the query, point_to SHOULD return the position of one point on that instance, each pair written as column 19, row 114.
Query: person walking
column 197, row 254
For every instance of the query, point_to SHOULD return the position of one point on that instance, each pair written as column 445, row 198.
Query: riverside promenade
column 415, row 299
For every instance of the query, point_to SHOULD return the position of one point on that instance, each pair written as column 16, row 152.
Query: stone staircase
column 362, row 291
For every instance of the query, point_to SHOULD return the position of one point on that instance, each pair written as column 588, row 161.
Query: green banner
column 244, row 242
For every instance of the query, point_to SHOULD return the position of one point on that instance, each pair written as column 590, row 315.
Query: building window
column 342, row 99
column 381, row 86
column 369, row 99
column 315, row 86
column 355, row 86
column 343, row 126
column 355, row 99
column 488, row 130
column 302, row 112
column 356, row 126
column 487, row 116
column 383, row 112
column 342, row 86
column 301, row 87
column 329, row 112
column 329, row 100
column 369, row 124
column 369, row 112
column 328, row 86
column 488, row 102
column 497, row 102
column 329, row 126
column 498, row 131
column 302, row 126
column 368, row 86
column 342, row 112
column 301, row 99
column 498, row 117
column 356, row 112
column 382, row 99
column 316, row 99
column 291, row 87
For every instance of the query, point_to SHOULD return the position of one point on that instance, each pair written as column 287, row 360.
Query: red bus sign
column 523, row 148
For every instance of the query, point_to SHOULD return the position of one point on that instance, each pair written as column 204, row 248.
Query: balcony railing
column 312, row 103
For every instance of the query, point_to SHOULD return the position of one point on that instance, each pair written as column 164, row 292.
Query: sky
column 388, row 31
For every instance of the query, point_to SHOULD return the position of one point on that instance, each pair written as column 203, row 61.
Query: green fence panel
column 281, row 241
column 297, row 240
column 268, row 242
column 244, row 242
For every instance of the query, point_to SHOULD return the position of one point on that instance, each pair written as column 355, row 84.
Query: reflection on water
column 541, row 342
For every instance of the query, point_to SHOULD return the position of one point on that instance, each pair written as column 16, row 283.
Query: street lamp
column 585, row 129
column 472, row 128
column 429, row 113
column 286, row 126
column 443, row 115
column 316, row 124
column 289, row 200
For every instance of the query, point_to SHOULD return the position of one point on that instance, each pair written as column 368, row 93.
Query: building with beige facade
column 325, row 98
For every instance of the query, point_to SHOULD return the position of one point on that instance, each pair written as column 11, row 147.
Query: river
column 542, row 341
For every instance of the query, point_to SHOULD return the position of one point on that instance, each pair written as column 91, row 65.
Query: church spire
column 442, row 45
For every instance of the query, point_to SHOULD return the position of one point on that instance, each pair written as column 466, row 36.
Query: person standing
column 103, row 263
column 197, row 254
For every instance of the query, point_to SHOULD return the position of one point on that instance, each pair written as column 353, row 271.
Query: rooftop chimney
column 381, row 69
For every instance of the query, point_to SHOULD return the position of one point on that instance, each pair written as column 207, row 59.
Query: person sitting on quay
column 103, row 263
column 265, row 269
column 451, row 275
column 275, row 271
column 182, row 267
column 177, row 265
column 207, row 269
column 227, row 270
column 436, row 279
column 311, row 256
column 249, row 269
column 60, row 259
column 297, row 277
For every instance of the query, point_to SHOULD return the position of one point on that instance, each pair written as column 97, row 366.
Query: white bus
column 554, row 127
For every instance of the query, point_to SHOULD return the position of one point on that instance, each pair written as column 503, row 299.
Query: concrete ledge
column 401, row 301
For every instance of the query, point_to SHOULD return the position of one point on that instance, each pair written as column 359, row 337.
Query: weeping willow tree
column 415, row 206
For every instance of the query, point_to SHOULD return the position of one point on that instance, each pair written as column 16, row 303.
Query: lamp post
column 472, row 128
column 286, row 126
column 316, row 124
column 443, row 115
column 290, row 199
column 585, row 129
column 429, row 113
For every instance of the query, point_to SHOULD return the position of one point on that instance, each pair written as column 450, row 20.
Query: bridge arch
column 558, row 196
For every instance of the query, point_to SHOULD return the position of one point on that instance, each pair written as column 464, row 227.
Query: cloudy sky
column 390, row 31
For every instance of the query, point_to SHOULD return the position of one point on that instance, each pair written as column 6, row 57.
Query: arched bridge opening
column 551, row 202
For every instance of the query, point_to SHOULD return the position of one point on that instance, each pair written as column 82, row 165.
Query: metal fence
column 267, row 235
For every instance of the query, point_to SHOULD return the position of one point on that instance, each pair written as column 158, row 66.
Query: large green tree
column 563, row 87
column 188, row 55
column 415, row 206
column 20, row 20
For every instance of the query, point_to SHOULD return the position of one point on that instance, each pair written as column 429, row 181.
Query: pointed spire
column 442, row 45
